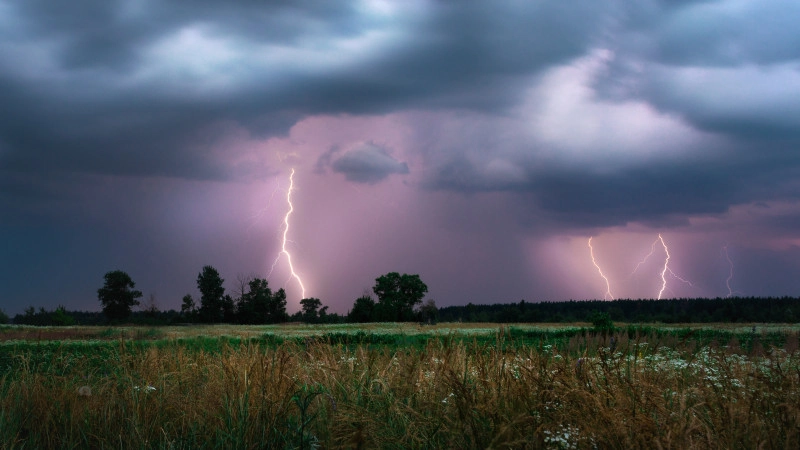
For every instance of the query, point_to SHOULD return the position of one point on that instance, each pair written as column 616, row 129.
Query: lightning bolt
column 263, row 212
column 730, row 273
column 644, row 260
column 285, row 239
column 608, row 284
column 666, row 269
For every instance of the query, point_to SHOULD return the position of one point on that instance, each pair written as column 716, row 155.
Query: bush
column 601, row 321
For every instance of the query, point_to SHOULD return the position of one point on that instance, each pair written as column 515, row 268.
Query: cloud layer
column 481, row 136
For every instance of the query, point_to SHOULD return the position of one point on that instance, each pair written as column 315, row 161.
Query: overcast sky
column 479, row 144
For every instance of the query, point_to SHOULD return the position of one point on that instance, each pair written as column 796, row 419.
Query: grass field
column 400, row 386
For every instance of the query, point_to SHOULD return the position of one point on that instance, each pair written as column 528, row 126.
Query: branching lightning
column 608, row 284
column 665, row 269
column 644, row 260
column 284, row 250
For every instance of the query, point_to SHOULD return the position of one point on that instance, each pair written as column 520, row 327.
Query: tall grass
column 632, row 388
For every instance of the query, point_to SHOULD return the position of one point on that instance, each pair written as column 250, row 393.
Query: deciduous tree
column 188, row 308
column 118, row 295
column 397, row 296
column 212, row 294
column 363, row 310
column 310, row 307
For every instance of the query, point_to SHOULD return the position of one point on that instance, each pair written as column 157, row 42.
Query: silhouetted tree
column 310, row 307
column 188, row 308
column 363, row 310
column 212, row 294
column 3, row 317
column 277, row 307
column 60, row 317
column 253, row 305
column 258, row 304
column 428, row 312
column 228, row 309
column 117, row 295
column 397, row 296
column 150, row 306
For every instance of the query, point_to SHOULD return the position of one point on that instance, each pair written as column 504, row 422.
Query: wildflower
column 579, row 367
column 84, row 391
column 333, row 401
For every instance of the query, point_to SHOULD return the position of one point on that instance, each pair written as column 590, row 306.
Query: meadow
column 400, row 386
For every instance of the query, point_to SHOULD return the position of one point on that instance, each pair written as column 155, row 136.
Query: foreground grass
column 394, row 387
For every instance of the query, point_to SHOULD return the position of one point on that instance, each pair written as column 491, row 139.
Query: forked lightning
column 284, row 250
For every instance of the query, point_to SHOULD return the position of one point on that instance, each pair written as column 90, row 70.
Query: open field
column 400, row 386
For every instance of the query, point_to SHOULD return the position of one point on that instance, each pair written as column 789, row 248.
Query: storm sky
column 478, row 144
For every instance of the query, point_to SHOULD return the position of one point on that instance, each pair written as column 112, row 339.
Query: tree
column 59, row 317
column 228, row 309
column 253, row 305
column 3, row 317
column 310, row 307
column 363, row 310
column 602, row 322
column 150, row 306
column 188, row 307
column 260, row 305
column 324, row 317
column 212, row 294
column 117, row 295
column 397, row 295
column 428, row 312
column 277, row 308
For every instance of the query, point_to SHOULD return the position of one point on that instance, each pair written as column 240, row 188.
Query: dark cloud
column 129, row 88
column 367, row 163
column 567, row 116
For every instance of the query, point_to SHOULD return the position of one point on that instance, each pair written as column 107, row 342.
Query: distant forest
column 684, row 310
column 688, row 310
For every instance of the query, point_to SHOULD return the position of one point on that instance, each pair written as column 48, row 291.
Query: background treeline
column 694, row 310
column 684, row 310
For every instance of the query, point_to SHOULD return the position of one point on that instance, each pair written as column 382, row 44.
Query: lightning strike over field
column 730, row 272
column 608, row 284
column 666, row 267
column 284, row 250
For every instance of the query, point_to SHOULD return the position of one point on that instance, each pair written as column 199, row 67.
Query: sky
column 477, row 144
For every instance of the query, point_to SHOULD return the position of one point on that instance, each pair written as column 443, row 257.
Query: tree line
column 253, row 302
column 397, row 298
column 683, row 310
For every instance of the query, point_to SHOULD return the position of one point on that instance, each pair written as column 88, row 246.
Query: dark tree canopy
column 188, row 307
column 258, row 304
column 212, row 295
column 363, row 310
column 428, row 312
column 310, row 309
column 397, row 296
column 117, row 295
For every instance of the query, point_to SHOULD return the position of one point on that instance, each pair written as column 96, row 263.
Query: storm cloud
column 445, row 138
column 367, row 163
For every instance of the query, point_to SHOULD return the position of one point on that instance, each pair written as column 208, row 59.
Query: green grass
column 400, row 386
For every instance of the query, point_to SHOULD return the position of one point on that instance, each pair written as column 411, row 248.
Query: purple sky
column 477, row 144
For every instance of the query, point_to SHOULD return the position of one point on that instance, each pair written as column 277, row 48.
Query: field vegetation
column 400, row 386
